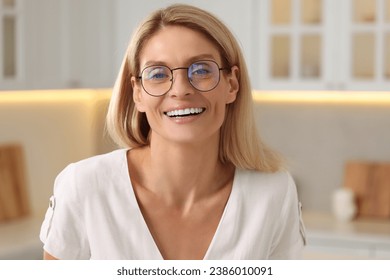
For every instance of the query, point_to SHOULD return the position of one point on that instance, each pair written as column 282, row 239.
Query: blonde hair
column 240, row 144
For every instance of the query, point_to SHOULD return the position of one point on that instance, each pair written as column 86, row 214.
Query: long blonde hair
column 240, row 144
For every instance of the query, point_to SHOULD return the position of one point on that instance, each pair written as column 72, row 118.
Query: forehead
column 176, row 46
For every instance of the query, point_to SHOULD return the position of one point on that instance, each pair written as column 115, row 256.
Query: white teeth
column 184, row 112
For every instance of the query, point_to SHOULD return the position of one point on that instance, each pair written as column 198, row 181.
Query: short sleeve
column 290, row 235
column 63, row 230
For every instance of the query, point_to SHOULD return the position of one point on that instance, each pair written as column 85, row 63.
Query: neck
column 185, row 173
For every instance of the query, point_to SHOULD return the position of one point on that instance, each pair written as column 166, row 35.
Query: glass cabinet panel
column 8, row 3
column 310, row 56
column 387, row 56
column 311, row 11
column 281, row 12
column 364, row 11
column 280, row 57
column 295, row 42
column 9, row 55
column 363, row 58
column 325, row 44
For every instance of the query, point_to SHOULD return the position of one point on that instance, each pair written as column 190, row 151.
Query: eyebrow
column 188, row 61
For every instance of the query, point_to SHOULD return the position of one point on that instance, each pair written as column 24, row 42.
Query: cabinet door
column 367, row 45
column 294, row 44
column 331, row 252
column 11, row 21
column 325, row 44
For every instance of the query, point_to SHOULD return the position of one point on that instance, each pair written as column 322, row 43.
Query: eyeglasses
column 203, row 75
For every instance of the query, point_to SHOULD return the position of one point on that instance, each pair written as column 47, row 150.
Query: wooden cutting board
column 370, row 182
column 14, row 202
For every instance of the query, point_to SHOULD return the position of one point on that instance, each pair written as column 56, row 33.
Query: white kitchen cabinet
column 11, row 21
column 56, row 44
column 324, row 44
column 78, row 44
column 288, row 44
column 362, row 238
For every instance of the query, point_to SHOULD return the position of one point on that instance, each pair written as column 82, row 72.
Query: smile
column 185, row 112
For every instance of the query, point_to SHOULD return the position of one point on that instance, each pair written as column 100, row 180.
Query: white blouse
column 94, row 214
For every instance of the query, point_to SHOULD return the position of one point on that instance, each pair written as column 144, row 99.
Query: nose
column 181, row 85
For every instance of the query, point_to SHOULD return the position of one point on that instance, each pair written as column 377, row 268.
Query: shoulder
column 255, row 180
column 93, row 171
column 277, row 188
column 99, row 165
column 105, row 161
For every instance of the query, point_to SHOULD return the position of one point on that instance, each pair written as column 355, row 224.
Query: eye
column 156, row 74
column 200, row 69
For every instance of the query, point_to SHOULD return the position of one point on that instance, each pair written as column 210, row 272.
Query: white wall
column 317, row 140
column 55, row 128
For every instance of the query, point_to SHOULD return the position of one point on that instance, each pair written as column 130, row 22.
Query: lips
column 184, row 112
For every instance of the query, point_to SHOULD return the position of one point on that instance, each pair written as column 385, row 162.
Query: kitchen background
column 321, row 74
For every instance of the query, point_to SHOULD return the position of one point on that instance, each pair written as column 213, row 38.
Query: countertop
column 361, row 238
column 19, row 239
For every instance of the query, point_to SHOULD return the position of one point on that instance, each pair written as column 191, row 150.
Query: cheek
column 144, row 102
column 220, row 112
column 151, row 109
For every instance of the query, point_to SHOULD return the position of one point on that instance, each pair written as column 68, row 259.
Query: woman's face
column 168, row 117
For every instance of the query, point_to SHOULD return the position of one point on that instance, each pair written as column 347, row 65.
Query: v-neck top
column 94, row 214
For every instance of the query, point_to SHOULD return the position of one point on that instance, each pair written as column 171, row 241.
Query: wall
column 318, row 133
column 55, row 128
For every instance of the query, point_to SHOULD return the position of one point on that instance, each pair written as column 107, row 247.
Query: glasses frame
column 182, row 68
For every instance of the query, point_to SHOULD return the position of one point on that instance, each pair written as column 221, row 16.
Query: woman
column 193, row 180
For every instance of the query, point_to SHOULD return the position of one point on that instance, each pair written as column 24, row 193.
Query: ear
column 137, row 94
column 234, row 85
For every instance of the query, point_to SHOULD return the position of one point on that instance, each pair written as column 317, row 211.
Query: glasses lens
column 156, row 80
column 204, row 75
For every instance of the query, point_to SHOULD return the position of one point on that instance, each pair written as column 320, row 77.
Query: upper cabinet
column 10, row 70
column 48, row 44
column 288, row 44
column 324, row 44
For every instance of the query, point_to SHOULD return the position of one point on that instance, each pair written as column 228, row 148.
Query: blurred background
column 320, row 70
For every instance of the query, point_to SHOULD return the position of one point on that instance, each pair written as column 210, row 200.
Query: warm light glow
column 323, row 97
column 298, row 97
column 53, row 95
